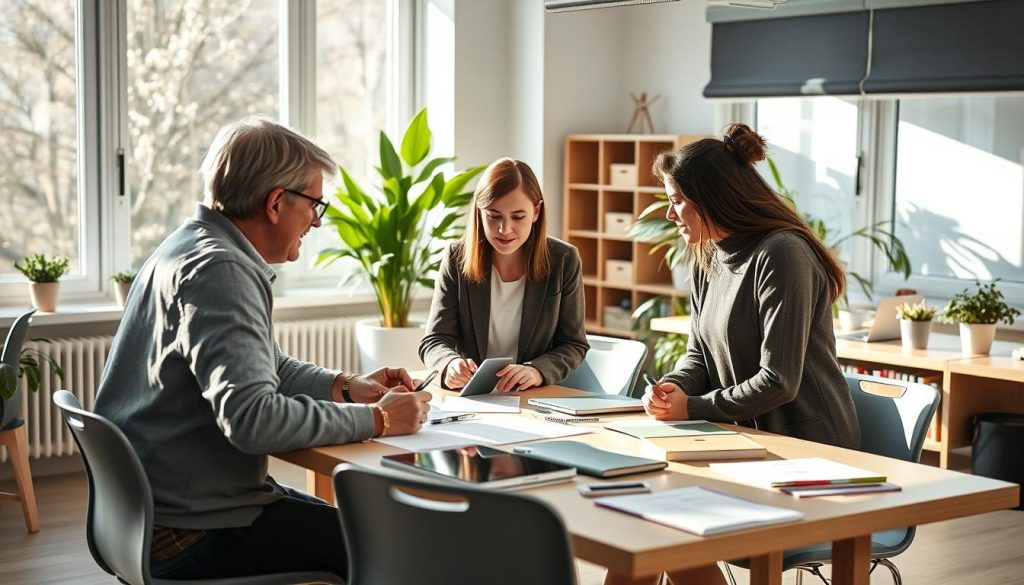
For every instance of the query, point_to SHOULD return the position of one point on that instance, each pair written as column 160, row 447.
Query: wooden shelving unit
column 589, row 194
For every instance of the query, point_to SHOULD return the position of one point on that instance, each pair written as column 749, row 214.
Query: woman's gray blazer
column 552, row 336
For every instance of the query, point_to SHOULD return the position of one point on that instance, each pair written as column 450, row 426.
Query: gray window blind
column 914, row 47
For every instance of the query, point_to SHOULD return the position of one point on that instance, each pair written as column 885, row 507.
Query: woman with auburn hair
column 762, row 350
column 507, row 290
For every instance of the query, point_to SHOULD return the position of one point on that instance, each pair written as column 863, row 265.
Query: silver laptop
column 886, row 325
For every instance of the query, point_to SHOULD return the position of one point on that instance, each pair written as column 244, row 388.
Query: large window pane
column 813, row 141
column 40, row 210
column 959, row 196
column 192, row 67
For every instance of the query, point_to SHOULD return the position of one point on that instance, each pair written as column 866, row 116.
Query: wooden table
column 636, row 547
column 970, row 385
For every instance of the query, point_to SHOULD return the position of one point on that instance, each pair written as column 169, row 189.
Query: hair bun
column 746, row 144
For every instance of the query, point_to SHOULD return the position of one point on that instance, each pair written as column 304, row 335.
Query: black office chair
column 12, row 427
column 894, row 417
column 120, row 521
column 446, row 534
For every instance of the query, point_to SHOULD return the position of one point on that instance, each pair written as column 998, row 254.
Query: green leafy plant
column 984, row 306
column 28, row 368
column 666, row 348
column 395, row 234
column 916, row 312
column 123, row 277
column 652, row 226
column 43, row 268
column 880, row 235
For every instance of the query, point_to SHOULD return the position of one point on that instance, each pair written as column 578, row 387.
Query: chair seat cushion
column 276, row 579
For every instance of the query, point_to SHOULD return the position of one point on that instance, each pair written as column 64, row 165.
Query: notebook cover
column 582, row 405
column 704, row 448
column 589, row 460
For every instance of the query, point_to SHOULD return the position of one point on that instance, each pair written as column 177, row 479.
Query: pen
column 650, row 379
column 453, row 418
column 578, row 419
column 426, row 381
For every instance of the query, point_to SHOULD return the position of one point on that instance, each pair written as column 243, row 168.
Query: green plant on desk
column 985, row 306
column 916, row 312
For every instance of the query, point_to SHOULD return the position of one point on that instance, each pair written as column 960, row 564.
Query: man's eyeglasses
column 321, row 205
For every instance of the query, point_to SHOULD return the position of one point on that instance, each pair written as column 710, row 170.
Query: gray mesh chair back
column 447, row 534
column 120, row 515
column 611, row 366
column 894, row 417
column 12, row 356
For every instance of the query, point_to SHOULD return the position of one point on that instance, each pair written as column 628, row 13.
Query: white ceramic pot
column 393, row 347
column 121, row 292
column 976, row 338
column 915, row 333
column 851, row 319
column 44, row 295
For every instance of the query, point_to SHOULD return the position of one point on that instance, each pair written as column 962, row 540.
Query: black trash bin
column 998, row 442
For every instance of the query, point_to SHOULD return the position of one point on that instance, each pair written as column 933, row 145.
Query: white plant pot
column 681, row 276
column 915, row 333
column 851, row 319
column 392, row 347
column 976, row 338
column 44, row 295
column 121, row 292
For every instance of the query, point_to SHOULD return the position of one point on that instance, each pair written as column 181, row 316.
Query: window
column 946, row 172
column 83, row 84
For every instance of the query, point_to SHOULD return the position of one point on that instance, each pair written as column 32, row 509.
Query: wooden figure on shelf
column 641, row 113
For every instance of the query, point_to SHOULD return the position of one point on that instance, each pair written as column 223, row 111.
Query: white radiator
column 326, row 342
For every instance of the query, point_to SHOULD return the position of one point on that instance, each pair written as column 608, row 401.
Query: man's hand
column 516, row 377
column 406, row 411
column 666, row 401
column 370, row 387
column 458, row 373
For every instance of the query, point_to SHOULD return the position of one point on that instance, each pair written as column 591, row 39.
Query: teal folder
column 589, row 460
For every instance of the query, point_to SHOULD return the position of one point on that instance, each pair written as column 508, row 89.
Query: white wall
column 525, row 78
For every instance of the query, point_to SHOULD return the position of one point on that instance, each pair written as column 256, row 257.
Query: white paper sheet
column 784, row 472
column 496, row 430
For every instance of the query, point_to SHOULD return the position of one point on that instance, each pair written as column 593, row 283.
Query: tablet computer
column 486, row 376
column 480, row 466
column 595, row 404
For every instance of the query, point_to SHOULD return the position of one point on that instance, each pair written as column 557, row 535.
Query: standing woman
column 506, row 289
column 762, row 350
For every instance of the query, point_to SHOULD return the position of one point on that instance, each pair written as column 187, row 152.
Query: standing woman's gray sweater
column 762, row 348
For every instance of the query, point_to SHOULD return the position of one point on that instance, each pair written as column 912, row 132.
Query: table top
column 637, row 547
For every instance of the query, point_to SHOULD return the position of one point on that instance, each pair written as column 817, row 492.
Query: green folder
column 589, row 460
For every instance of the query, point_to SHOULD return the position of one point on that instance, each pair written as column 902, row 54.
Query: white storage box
column 620, row 271
column 617, row 223
column 624, row 175
column 616, row 318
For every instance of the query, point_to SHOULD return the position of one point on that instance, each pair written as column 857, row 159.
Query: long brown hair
column 719, row 178
column 504, row 176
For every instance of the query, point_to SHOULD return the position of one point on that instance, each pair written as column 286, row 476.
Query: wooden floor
column 978, row 550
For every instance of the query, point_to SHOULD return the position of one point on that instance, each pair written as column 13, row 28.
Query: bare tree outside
column 193, row 65
column 39, row 198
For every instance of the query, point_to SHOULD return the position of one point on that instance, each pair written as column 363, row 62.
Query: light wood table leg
column 16, row 441
column 766, row 569
column 851, row 561
column 320, row 485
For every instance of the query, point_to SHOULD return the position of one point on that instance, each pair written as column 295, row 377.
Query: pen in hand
column 426, row 381
column 453, row 418
column 650, row 380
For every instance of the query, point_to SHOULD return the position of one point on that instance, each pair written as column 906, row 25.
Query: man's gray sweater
column 762, row 349
column 200, row 388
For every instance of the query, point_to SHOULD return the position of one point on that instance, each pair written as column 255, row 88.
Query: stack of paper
column 690, row 440
column 497, row 430
column 701, row 511
column 807, row 477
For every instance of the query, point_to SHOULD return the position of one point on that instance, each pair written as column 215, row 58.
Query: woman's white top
column 506, row 316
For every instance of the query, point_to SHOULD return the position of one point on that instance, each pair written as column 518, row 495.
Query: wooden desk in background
column 636, row 547
column 970, row 385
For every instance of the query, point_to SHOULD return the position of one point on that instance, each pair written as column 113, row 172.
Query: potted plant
column 978, row 313
column 44, row 274
column 122, row 284
column 395, row 235
column 915, row 324
column 652, row 226
column 665, row 348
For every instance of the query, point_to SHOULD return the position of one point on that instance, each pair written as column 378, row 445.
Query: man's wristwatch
column 344, row 387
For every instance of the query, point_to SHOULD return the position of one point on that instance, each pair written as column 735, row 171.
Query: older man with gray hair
column 202, row 391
